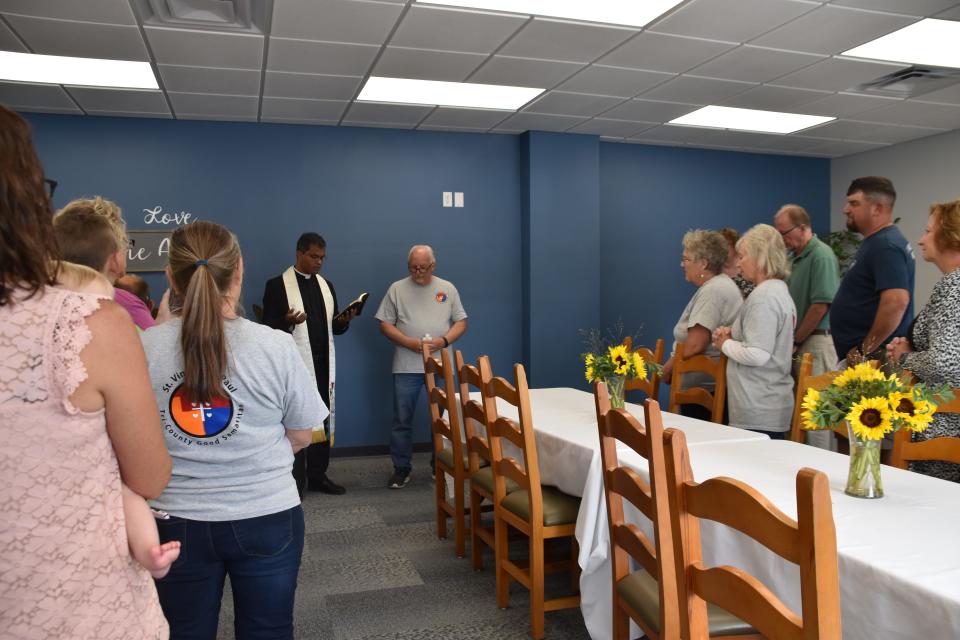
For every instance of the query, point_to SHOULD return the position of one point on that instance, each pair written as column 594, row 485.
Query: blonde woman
column 236, row 403
column 760, row 343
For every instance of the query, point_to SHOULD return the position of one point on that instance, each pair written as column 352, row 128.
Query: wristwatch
column 446, row 343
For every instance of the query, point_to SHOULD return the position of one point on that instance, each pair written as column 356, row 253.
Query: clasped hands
column 415, row 344
column 721, row 335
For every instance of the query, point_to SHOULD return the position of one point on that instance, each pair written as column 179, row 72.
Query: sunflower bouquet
column 872, row 405
column 613, row 364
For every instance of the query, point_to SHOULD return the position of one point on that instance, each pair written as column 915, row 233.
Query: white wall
column 923, row 171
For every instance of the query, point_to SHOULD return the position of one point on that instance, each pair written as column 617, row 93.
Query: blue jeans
column 262, row 557
column 406, row 393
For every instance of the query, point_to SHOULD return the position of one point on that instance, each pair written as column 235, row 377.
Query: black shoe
column 399, row 479
column 326, row 485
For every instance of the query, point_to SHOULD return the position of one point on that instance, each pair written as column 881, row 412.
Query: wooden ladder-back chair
column 448, row 446
column 478, row 451
column 650, row 386
column 698, row 395
column 648, row 595
column 809, row 542
column 538, row 512
column 943, row 449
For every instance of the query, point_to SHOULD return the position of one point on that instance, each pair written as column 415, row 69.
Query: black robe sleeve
column 275, row 305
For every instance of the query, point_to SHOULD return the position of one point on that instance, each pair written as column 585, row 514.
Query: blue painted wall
column 560, row 232
column 650, row 196
column 372, row 193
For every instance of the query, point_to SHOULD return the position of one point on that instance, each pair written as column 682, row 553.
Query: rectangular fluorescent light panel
column 632, row 13
column 446, row 94
column 749, row 120
column 90, row 72
column 928, row 42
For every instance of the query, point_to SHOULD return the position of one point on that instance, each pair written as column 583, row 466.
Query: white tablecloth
column 899, row 557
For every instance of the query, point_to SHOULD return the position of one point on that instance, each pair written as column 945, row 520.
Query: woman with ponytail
column 236, row 403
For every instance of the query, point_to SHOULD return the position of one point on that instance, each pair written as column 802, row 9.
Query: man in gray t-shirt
column 419, row 309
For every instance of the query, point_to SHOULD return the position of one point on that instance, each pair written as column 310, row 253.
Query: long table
column 899, row 557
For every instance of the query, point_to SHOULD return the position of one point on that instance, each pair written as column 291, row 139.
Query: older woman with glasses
column 714, row 303
column 760, row 343
column 931, row 350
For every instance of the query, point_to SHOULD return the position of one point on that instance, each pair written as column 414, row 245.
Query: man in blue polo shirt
column 875, row 299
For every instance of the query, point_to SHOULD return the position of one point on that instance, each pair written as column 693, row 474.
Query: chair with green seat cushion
column 473, row 416
column 649, row 595
column 539, row 513
column 448, row 447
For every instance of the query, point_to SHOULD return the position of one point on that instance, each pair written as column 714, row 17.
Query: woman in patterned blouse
column 931, row 350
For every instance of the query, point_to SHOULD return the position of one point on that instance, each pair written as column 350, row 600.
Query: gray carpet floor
column 374, row 569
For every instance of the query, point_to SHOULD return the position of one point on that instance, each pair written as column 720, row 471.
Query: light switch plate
column 458, row 198
column 447, row 199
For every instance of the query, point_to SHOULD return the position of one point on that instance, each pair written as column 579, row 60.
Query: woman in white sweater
column 759, row 345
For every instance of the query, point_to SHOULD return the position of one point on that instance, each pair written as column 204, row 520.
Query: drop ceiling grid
column 756, row 53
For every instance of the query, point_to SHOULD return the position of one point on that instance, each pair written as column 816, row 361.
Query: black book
column 356, row 304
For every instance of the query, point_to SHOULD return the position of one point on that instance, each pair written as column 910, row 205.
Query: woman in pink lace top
column 76, row 415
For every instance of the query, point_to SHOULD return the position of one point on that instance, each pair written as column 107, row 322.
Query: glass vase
column 615, row 389
column 863, row 480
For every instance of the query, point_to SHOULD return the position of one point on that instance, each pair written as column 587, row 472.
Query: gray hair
column 796, row 214
column 764, row 245
column 421, row 247
column 710, row 246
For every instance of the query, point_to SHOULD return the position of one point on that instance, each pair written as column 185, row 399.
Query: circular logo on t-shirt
column 441, row 296
column 200, row 420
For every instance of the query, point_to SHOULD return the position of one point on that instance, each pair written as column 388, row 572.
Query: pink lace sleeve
column 69, row 335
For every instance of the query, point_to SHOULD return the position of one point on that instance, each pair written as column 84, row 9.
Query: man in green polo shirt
column 813, row 282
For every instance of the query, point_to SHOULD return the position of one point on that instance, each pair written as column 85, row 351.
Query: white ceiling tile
column 950, row 14
column 296, row 108
column 731, row 20
column 657, row 52
column 556, row 40
column 773, row 98
column 844, row 147
column 314, row 87
column 648, row 111
column 80, row 39
column 129, row 114
column 693, row 90
column 921, row 8
column 329, row 123
column 422, row 64
column 211, row 104
column 380, row 113
column 334, row 20
column 832, row 30
column 436, row 127
column 9, row 41
column 330, row 58
column 675, row 134
column 425, row 27
column 21, row 95
column 218, row 117
column 103, row 11
column 378, row 125
column 71, row 110
column 791, row 143
column 465, row 118
column 522, row 72
column 127, row 100
column 869, row 131
column 192, row 48
column 917, row 114
column 837, row 74
column 237, row 82
column 572, row 104
column 539, row 122
column 613, row 81
column 754, row 64
column 610, row 128
column 950, row 95
column 843, row 105
column 741, row 138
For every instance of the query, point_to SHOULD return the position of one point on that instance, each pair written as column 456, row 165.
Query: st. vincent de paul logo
column 200, row 423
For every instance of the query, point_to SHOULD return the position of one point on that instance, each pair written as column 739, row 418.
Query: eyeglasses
column 51, row 186
column 419, row 268
column 784, row 233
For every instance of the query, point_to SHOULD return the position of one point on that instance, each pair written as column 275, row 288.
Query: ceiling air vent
column 238, row 16
column 910, row 82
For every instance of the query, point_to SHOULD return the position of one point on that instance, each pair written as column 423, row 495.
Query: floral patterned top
column 935, row 359
column 65, row 569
